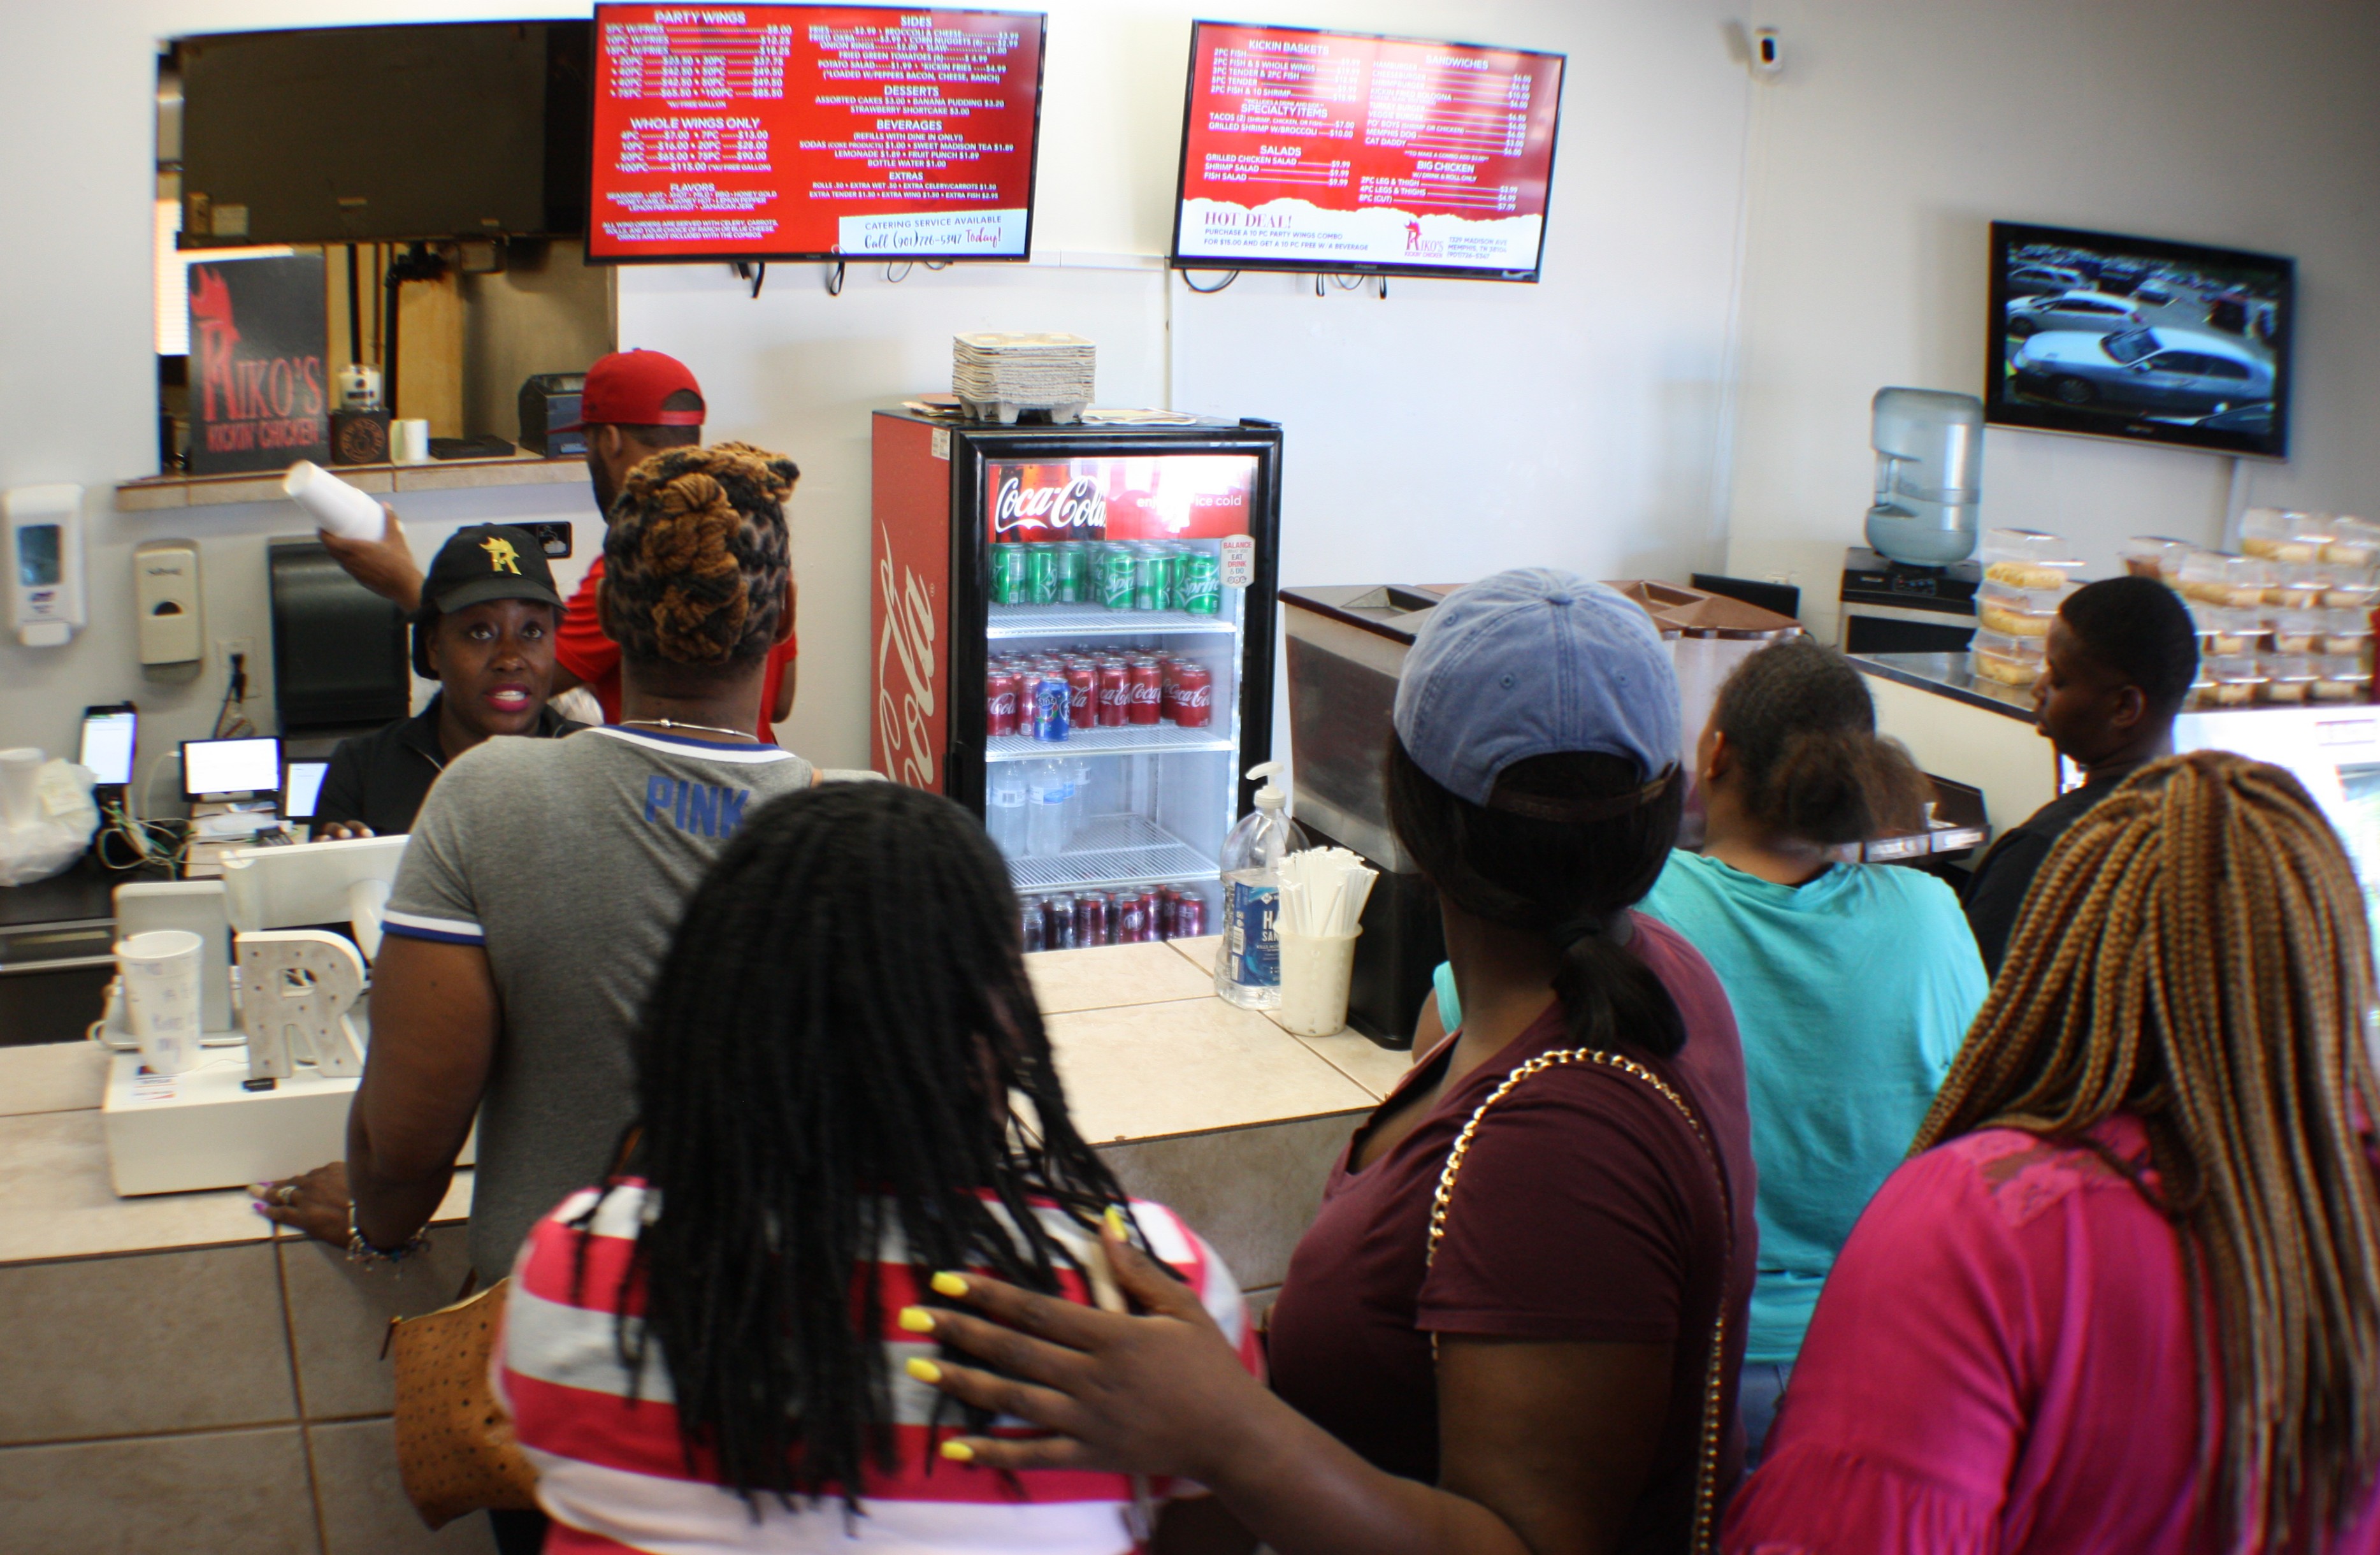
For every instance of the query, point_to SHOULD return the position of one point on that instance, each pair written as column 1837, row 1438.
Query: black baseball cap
column 481, row 563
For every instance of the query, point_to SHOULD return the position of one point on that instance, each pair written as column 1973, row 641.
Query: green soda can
column 1201, row 584
column 1112, row 576
column 1008, row 585
column 1074, row 572
column 1152, row 577
column 1040, row 574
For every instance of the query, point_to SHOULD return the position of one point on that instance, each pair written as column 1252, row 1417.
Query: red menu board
column 813, row 132
column 1339, row 151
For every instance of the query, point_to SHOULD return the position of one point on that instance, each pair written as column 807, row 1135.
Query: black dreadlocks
column 831, row 1055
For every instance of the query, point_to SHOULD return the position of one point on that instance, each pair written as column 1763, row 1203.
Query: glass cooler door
column 1116, row 609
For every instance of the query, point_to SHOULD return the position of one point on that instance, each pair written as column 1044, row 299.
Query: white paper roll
column 20, row 772
column 332, row 503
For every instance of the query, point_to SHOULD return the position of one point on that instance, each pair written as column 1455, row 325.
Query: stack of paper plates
column 998, row 375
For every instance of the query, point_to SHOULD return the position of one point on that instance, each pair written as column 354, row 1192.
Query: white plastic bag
column 46, row 815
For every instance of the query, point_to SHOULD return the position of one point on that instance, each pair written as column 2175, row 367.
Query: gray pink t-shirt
column 571, row 862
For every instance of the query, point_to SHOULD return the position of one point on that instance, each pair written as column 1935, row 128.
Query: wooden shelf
column 438, row 475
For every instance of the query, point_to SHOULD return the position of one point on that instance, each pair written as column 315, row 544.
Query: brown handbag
column 1714, row 1419
column 454, row 1446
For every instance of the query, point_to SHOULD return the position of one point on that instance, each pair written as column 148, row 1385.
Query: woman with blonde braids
column 2127, row 1295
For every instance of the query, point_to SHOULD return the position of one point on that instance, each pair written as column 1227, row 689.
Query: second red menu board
column 813, row 132
column 1341, row 151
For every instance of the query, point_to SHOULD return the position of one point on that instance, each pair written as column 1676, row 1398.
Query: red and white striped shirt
column 613, row 1476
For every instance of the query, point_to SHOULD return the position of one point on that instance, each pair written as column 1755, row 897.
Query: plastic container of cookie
column 2154, row 556
column 2220, row 578
column 2346, row 631
column 2019, row 613
column 2276, row 534
column 2010, row 661
column 2354, row 542
column 2225, row 629
column 2289, row 678
column 2340, row 677
column 2299, row 631
column 2027, row 559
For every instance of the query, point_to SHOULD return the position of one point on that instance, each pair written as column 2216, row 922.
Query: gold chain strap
column 1715, row 1374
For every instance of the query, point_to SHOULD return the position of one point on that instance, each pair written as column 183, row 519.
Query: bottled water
column 1003, row 809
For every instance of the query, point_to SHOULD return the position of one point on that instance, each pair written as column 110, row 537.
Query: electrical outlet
column 227, row 647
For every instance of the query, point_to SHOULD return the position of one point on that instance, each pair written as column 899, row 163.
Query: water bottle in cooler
column 1003, row 809
column 1050, row 791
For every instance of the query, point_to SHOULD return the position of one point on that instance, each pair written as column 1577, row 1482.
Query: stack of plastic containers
column 2027, row 575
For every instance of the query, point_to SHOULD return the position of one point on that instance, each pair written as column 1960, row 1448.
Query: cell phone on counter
column 110, row 742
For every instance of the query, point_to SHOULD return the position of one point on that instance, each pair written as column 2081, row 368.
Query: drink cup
column 1315, row 972
column 161, row 996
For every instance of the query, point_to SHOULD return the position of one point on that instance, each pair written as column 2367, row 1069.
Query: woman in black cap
column 485, row 633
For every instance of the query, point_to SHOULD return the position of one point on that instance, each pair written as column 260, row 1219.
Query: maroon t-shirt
column 1586, row 1211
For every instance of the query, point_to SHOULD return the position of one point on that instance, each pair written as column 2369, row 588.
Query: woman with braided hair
column 2126, row 1297
column 543, row 879
column 844, row 1092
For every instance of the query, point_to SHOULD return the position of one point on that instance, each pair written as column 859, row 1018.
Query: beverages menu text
column 780, row 131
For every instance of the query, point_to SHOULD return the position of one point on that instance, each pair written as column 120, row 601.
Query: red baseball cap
column 626, row 388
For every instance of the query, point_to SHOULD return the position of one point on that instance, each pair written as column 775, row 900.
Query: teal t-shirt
column 1852, row 993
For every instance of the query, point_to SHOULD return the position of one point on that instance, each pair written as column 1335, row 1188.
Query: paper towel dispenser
column 338, row 650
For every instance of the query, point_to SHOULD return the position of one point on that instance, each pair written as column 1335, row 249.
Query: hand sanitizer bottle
column 1247, row 966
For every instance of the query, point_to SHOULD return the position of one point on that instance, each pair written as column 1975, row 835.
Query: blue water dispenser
column 1929, row 475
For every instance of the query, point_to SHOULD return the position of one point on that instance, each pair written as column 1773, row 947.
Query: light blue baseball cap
column 1538, row 661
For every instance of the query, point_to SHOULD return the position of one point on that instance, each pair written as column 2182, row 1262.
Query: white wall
column 1900, row 131
column 1589, row 421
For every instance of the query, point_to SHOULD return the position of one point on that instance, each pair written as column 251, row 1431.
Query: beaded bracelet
column 362, row 1252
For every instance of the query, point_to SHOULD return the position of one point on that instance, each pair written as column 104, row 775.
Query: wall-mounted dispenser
column 165, row 591
column 46, row 604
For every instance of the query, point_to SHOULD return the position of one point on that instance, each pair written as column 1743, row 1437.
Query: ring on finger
column 286, row 1193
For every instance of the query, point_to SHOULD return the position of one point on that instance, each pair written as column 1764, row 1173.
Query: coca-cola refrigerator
column 1072, row 630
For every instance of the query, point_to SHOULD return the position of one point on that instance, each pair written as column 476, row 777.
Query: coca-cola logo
column 1194, row 695
column 1141, row 691
column 905, row 663
column 1004, row 705
column 1077, row 508
column 1114, row 696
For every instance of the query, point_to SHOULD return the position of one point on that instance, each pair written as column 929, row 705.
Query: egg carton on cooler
column 1006, row 411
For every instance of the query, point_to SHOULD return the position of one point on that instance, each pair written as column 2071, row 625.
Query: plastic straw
column 1323, row 891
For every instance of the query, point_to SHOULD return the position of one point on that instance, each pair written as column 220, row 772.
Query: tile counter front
column 180, row 1376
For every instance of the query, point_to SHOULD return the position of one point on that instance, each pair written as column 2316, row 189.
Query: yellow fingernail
column 923, row 1370
column 958, row 1452
column 916, row 1319
column 1115, row 1223
column 949, row 1285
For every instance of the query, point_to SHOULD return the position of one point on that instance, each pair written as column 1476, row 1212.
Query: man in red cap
column 634, row 405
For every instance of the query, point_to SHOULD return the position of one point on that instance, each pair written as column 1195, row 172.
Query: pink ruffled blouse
column 2002, row 1360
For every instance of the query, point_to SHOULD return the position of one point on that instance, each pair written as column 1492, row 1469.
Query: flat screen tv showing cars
column 813, row 132
column 2137, row 338
column 1354, row 154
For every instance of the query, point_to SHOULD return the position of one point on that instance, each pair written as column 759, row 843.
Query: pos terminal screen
column 213, row 768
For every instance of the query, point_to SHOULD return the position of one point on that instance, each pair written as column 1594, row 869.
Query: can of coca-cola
column 1001, row 688
column 1115, row 694
column 1145, row 682
column 1189, row 917
column 1169, row 687
column 1082, row 693
column 1092, row 916
column 1193, row 695
column 1059, row 932
column 1032, row 920
column 1131, row 919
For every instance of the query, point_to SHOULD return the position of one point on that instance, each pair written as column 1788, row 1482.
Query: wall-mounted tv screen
column 1354, row 154
column 2136, row 339
column 383, row 133
column 813, row 132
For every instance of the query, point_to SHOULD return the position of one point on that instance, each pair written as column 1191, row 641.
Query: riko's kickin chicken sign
column 257, row 379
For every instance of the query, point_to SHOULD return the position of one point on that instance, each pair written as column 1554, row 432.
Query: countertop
column 1953, row 675
column 1144, row 1048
